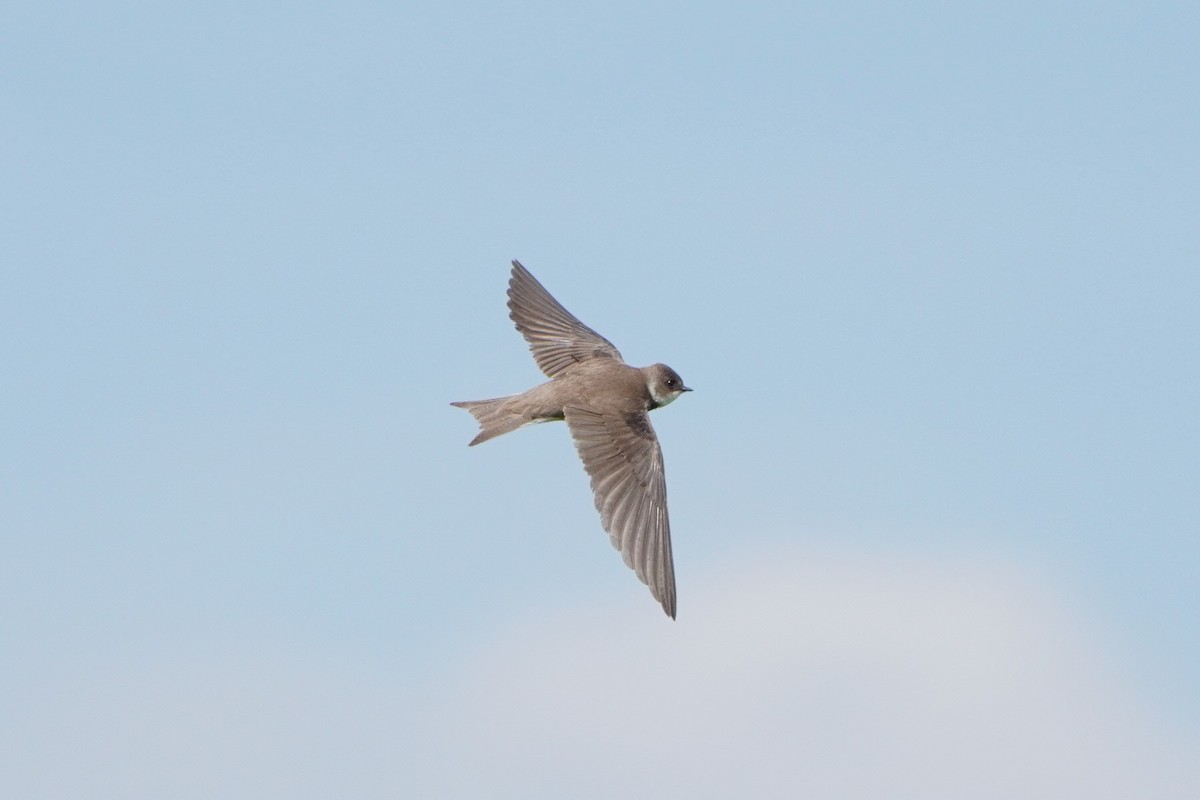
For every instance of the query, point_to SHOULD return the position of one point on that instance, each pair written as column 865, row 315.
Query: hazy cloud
column 835, row 676
column 789, row 675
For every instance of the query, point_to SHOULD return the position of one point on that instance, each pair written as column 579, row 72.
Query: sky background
column 932, row 269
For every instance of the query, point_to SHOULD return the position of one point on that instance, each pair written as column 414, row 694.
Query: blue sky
column 932, row 271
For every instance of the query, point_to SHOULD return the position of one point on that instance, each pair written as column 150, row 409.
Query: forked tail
column 493, row 419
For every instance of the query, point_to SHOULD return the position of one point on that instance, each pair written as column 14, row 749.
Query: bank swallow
column 606, row 405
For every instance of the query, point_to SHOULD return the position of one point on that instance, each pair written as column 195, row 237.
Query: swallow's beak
column 685, row 389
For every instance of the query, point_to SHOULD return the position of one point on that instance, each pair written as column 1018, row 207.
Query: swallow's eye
column 671, row 382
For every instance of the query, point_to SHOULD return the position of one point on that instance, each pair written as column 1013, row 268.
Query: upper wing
column 623, row 458
column 558, row 340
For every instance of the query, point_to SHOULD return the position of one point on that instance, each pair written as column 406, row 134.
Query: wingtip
column 518, row 271
column 668, row 606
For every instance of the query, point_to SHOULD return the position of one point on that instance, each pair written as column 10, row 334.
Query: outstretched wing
column 558, row 340
column 621, row 455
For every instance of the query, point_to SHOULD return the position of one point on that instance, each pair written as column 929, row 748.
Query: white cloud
column 822, row 676
column 793, row 675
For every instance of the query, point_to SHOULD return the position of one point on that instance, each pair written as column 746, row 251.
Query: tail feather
column 493, row 419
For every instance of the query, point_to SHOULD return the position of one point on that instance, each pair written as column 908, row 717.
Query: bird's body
column 606, row 404
column 607, row 384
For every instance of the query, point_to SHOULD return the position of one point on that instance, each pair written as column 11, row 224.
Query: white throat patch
column 662, row 399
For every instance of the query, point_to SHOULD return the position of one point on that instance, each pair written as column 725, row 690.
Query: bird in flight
column 606, row 405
